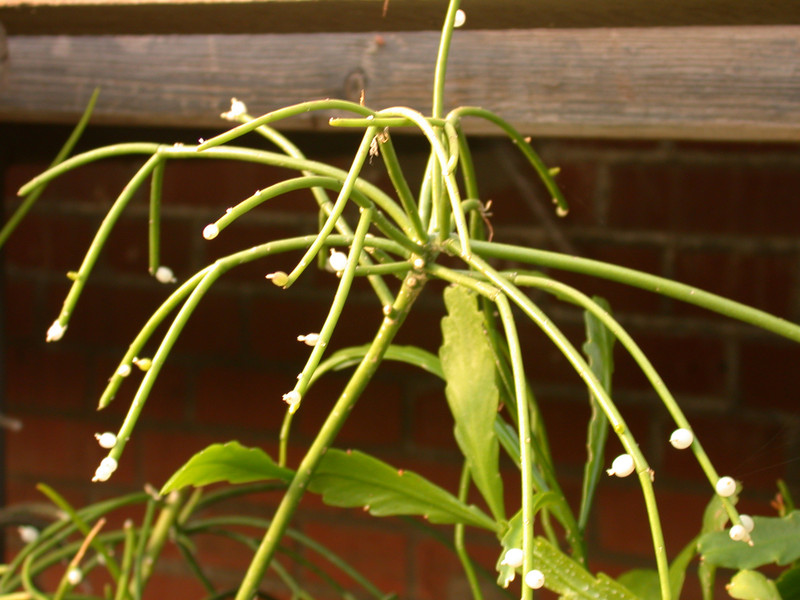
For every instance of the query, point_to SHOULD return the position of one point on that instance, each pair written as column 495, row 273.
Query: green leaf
column 469, row 369
column 566, row 577
column 349, row 357
column 599, row 350
column 752, row 585
column 229, row 462
column 775, row 540
column 642, row 582
column 356, row 479
column 789, row 584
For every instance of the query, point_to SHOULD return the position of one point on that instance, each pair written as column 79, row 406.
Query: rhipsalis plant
column 399, row 242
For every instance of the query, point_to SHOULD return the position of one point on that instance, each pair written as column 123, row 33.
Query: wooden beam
column 97, row 17
column 696, row 83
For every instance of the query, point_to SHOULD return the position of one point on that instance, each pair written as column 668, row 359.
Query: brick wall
column 722, row 217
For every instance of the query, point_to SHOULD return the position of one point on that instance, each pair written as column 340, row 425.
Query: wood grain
column 740, row 83
column 98, row 17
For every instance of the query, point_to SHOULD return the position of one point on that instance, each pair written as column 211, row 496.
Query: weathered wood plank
column 97, row 17
column 697, row 83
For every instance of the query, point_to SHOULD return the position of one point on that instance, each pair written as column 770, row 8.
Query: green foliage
column 774, row 540
column 752, row 585
column 469, row 369
column 231, row 462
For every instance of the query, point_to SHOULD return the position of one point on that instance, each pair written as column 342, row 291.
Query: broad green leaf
column 789, row 584
column 752, row 585
column 356, row 479
column 469, row 370
column 775, row 540
column 599, row 350
column 229, row 462
column 566, row 577
column 642, row 582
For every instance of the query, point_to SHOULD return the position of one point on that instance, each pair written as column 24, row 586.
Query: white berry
column 210, row 231
column 738, row 533
column 513, row 558
column 74, row 576
column 337, row 261
column 106, row 440
column 461, row 18
column 107, row 467
column 747, row 522
column 28, row 533
column 55, row 332
column 622, row 466
column 534, row 579
column 292, row 398
column 725, row 487
column 165, row 275
column 238, row 108
column 124, row 370
column 681, row 438
column 279, row 278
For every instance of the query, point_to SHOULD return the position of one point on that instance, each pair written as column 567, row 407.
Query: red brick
column 242, row 398
column 768, row 375
column 687, row 364
column 58, row 242
column 45, row 379
column 379, row 553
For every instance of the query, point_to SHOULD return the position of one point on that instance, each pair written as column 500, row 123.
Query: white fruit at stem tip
column 461, row 18
column 337, row 261
column 106, row 440
column 210, row 231
column 747, row 522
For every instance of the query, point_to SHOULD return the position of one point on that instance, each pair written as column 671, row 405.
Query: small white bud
column 725, row 487
column 738, row 533
column 28, row 533
column 238, row 109
column 74, row 576
column 279, row 278
column 681, row 438
column 461, row 18
column 534, row 579
column 56, row 331
column 124, row 370
column 292, row 398
column 513, row 558
column 622, row 466
column 337, row 261
column 310, row 339
column 144, row 364
column 747, row 522
column 210, row 231
column 107, row 467
column 106, row 440
column 165, row 275
column 419, row 263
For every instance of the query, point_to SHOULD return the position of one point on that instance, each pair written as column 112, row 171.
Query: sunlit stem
column 441, row 59
column 526, row 455
column 458, row 538
column 337, row 305
column 336, row 418
column 338, row 206
column 101, row 236
column 23, row 209
column 154, row 245
column 604, row 400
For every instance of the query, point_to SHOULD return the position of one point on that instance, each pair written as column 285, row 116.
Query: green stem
column 523, row 419
column 594, row 385
column 338, row 205
column 336, row 418
column 652, row 283
column 458, row 538
column 441, row 59
column 156, row 185
column 401, row 186
column 27, row 204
